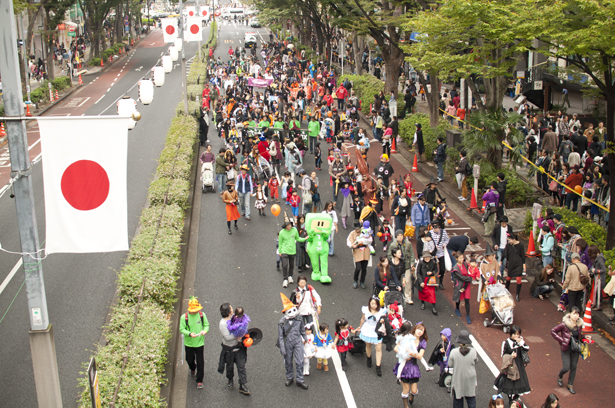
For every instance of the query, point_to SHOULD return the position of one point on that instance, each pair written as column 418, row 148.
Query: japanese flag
column 191, row 11
column 84, row 177
column 169, row 29
column 193, row 31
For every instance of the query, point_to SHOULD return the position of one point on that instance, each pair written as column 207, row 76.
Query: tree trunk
column 394, row 62
column 610, row 140
column 433, row 97
column 476, row 94
column 51, row 75
column 357, row 48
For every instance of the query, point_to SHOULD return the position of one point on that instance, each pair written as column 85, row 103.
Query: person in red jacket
column 263, row 148
column 342, row 94
column 574, row 179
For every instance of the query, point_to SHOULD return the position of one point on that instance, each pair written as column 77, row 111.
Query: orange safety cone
column 57, row 95
column 531, row 248
column 393, row 145
column 415, row 167
column 473, row 203
column 587, row 318
column 101, row 62
column 28, row 114
column 2, row 132
column 120, row 50
column 80, row 80
column 110, row 58
column 482, row 210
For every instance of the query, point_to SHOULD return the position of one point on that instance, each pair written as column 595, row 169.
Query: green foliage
column 61, row 83
column 95, row 62
column 193, row 108
column 155, row 254
column 407, row 129
column 365, row 87
column 516, row 189
column 194, row 92
column 528, row 222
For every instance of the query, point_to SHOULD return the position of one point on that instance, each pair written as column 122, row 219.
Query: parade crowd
column 274, row 110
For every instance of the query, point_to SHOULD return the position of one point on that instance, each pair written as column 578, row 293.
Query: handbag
column 583, row 279
column 499, row 381
column 575, row 344
column 525, row 356
column 432, row 281
column 484, row 306
column 307, row 198
column 553, row 186
column 448, row 264
column 230, row 174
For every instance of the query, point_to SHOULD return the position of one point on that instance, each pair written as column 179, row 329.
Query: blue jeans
column 441, row 170
column 331, row 242
column 453, row 259
column 458, row 403
column 500, row 255
column 221, row 179
column 542, row 290
column 378, row 134
column 546, row 260
column 574, row 199
column 416, row 233
column 244, row 203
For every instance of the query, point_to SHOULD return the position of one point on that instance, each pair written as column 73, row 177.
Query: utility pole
column 198, row 10
column 181, row 35
column 42, row 344
column 25, row 57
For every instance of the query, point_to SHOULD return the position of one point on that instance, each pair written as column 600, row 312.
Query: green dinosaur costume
column 318, row 227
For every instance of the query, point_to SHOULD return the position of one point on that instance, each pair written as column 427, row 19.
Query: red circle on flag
column 170, row 29
column 85, row 185
column 194, row 29
column 191, row 13
column 204, row 12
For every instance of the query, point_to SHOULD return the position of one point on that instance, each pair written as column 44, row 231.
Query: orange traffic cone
column 531, row 249
column 80, row 80
column 482, row 210
column 132, row 42
column 120, row 50
column 101, row 62
column 415, row 166
column 473, row 203
column 2, row 132
column 28, row 114
column 393, row 145
column 57, row 95
column 110, row 58
column 587, row 318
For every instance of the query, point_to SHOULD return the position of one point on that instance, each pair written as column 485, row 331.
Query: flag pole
column 42, row 345
column 184, row 79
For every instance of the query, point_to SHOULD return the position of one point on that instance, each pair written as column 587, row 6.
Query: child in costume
column 395, row 319
column 294, row 203
column 284, row 184
column 261, row 200
column 365, row 237
column 238, row 325
column 442, row 350
column 386, row 236
column 324, row 344
column 318, row 156
column 273, row 188
column 289, row 191
column 408, row 184
column 342, row 342
column 356, row 206
column 309, row 347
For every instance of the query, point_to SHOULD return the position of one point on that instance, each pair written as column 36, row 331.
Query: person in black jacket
column 502, row 190
column 514, row 253
column 500, row 241
column 440, row 157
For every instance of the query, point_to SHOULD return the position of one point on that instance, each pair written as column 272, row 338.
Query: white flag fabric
column 84, row 177
column 169, row 29
column 191, row 11
column 194, row 29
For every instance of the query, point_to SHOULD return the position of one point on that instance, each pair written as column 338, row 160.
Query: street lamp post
column 181, row 35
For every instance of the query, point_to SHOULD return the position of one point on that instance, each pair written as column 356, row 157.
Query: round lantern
column 146, row 91
column 167, row 63
column 158, row 74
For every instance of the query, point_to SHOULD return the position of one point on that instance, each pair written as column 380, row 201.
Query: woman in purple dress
column 411, row 373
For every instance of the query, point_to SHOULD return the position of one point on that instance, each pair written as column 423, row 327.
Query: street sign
column 537, row 85
column 71, row 31
column 126, row 28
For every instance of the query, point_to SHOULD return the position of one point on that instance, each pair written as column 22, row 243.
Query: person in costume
column 231, row 198
column 291, row 338
column 309, row 348
column 514, row 347
column 489, row 271
column 261, row 200
column 194, row 326
column 441, row 352
column 342, row 339
column 371, row 315
column 307, row 300
column 318, row 227
column 324, row 344
column 238, row 325
column 463, row 275
column 405, row 348
column 360, row 255
column 427, row 269
column 369, row 214
column 411, row 374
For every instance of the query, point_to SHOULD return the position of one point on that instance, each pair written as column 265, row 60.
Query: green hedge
column 95, row 62
column 195, row 91
column 155, row 253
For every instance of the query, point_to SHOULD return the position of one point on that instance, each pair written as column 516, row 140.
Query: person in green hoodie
column 313, row 132
column 194, row 326
column 287, row 247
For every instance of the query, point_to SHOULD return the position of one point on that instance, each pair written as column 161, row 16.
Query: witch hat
column 431, row 181
column 489, row 251
column 286, row 220
column 286, row 302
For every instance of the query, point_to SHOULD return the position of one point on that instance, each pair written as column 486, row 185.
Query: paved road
column 240, row 269
column 80, row 288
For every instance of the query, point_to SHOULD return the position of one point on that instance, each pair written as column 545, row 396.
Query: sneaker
column 355, row 284
column 290, row 279
column 462, row 198
column 362, row 285
column 429, row 368
column 307, row 266
column 285, row 283
column 199, row 386
column 459, row 198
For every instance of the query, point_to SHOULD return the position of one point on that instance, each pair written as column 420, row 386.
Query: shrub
column 61, row 83
column 194, row 91
column 95, row 62
column 407, row 129
column 516, row 189
column 193, row 108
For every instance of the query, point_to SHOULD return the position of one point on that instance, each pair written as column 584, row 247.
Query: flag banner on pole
column 191, row 11
column 84, row 176
column 194, row 30
column 169, row 29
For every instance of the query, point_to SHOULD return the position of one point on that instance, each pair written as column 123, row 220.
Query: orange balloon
column 578, row 189
column 248, row 341
column 275, row 210
column 379, row 234
column 450, row 221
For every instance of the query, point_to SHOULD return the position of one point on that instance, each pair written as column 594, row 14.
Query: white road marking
column 15, row 268
column 108, row 89
column 118, row 74
column 113, row 83
column 481, row 352
column 122, row 70
column 30, row 148
column 99, row 99
column 343, row 379
column 115, row 79
column 83, row 102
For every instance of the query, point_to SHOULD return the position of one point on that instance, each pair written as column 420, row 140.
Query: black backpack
column 468, row 169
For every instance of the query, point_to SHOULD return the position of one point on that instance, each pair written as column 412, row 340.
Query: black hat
column 463, row 338
column 489, row 251
column 356, row 224
column 558, row 217
column 418, row 125
column 431, row 181
column 256, row 335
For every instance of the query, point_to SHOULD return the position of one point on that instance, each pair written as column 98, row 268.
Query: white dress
column 368, row 330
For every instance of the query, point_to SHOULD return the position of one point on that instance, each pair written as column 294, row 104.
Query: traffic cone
column 28, row 114
column 473, row 204
column 531, row 249
column 482, row 210
column 101, row 62
column 57, row 95
column 110, row 58
column 2, row 132
column 587, row 318
column 80, row 80
column 120, row 50
column 393, row 145
column 415, row 166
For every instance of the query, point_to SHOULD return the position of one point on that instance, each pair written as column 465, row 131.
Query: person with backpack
column 440, row 157
column 194, row 326
column 577, row 278
column 462, row 171
column 565, row 148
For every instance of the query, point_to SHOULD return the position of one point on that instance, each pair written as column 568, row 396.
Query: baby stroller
column 207, row 177
column 502, row 307
column 392, row 296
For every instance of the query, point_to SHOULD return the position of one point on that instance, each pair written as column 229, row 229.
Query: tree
column 51, row 21
column 470, row 39
column 96, row 12
column 581, row 33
